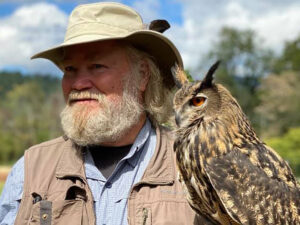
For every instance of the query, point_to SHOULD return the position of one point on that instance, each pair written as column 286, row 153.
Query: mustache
column 84, row 95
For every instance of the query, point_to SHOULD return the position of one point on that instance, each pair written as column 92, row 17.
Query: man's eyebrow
column 94, row 56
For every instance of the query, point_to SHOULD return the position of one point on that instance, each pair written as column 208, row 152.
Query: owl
column 230, row 176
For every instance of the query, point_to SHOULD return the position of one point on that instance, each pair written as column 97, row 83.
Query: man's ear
column 145, row 75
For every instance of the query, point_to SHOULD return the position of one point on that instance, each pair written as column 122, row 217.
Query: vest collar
column 71, row 162
column 160, row 170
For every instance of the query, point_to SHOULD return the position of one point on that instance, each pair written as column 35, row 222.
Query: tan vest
column 56, row 189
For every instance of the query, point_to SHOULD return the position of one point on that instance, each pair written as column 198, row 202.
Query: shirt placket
column 107, row 202
column 108, row 210
column 108, row 207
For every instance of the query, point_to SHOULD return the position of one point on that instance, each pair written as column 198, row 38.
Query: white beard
column 104, row 124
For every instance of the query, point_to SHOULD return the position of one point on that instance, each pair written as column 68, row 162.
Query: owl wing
column 249, row 195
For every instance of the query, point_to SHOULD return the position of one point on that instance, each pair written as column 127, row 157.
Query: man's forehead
column 71, row 54
column 91, row 50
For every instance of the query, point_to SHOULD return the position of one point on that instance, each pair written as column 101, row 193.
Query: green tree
column 290, row 57
column 244, row 63
column 280, row 105
column 288, row 146
column 9, row 79
column 28, row 116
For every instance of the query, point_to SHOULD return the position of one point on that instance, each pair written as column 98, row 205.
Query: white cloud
column 38, row 26
column 148, row 9
column 273, row 21
column 279, row 26
column 28, row 30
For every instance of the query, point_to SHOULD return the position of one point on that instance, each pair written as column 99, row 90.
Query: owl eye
column 197, row 101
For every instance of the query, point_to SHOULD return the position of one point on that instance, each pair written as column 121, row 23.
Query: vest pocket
column 57, row 212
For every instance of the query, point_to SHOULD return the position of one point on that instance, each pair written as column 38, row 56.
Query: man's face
column 96, row 67
column 102, row 93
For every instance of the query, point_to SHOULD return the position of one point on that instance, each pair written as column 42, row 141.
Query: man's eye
column 98, row 66
column 69, row 68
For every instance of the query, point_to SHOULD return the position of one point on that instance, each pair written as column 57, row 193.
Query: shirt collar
column 91, row 170
column 132, row 157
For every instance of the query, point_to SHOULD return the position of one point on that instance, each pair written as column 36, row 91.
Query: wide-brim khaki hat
column 112, row 21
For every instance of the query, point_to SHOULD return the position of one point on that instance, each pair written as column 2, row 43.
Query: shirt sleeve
column 12, row 194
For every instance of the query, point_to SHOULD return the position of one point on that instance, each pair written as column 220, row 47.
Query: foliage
column 29, row 114
column 290, row 57
column 189, row 76
column 244, row 63
column 288, row 146
column 280, row 105
column 9, row 80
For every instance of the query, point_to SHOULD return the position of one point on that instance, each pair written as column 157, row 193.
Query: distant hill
column 29, row 112
column 9, row 79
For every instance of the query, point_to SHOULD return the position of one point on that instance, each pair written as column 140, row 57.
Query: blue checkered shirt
column 110, row 195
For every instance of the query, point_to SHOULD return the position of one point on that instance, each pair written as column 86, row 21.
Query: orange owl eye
column 198, row 101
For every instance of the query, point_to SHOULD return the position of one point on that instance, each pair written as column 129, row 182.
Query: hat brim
column 154, row 43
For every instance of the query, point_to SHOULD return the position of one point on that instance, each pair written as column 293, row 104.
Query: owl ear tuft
column 179, row 76
column 207, row 81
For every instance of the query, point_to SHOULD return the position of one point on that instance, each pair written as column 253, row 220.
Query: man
column 115, row 164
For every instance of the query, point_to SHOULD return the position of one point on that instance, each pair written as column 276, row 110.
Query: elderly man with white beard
column 105, row 102
column 115, row 163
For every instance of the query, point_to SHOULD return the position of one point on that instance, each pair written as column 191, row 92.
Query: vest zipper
column 145, row 215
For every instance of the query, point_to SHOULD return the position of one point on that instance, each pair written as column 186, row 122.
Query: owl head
column 200, row 100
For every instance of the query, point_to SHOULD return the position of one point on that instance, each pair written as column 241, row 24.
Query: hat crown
column 105, row 18
column 114, row 21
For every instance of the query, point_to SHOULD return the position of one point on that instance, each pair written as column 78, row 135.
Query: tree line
column 29, row 112
column 266, row 85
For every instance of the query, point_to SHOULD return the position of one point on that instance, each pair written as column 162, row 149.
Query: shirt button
column 45, row 216
column 108, row 184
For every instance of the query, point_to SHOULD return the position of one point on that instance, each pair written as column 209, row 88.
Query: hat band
column 97, row 28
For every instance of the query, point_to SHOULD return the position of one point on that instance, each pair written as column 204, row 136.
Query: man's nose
column 82, row 81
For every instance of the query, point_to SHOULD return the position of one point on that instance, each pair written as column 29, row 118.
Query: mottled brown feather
column 231, row 177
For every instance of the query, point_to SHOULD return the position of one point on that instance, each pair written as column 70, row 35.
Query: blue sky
column 30, row 26
column 171, row 9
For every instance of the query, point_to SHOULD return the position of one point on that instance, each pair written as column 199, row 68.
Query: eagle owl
column 230, row 176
